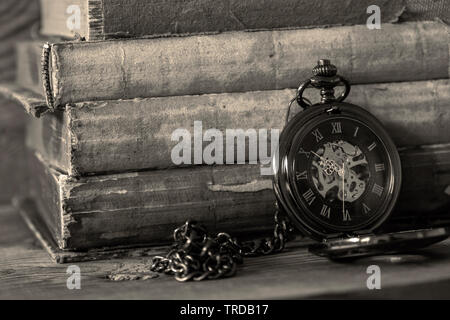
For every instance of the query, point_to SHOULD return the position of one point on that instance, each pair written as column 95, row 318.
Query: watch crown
column 324, row 68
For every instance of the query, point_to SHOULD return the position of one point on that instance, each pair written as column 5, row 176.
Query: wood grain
column 240, row 61
column 26, row 272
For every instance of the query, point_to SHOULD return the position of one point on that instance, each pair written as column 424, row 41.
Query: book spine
column 33, row 103
column 86, row 138
column 108, row 19
column 425, row 196
column 242, row 61
column 145, row 207
column 96, row 19
column 32, row 60
column 45, row 73
column 44, row 188
column 426, row 10
column 51, row 137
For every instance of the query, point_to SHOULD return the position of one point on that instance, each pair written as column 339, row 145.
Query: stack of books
column 131, row 121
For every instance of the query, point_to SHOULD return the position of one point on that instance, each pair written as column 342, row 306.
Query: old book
column 33, row 103
column 87, row 138
column 426, row 182
column 144, row 207
column 30, row 214
column 426, row 10
column 106, row 19
column 231, row 62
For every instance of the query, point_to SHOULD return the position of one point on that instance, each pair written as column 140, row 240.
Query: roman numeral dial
column 340, row 175
column 346, row 216
column 365, row 208
column 309, row 197
column 301, row 175
column 336, row 127
column 378, row 190
column 326, row 211
column 316, row 133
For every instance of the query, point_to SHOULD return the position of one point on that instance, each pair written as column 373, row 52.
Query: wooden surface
column 27, row 273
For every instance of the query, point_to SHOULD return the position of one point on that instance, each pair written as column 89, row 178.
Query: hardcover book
column 106, row 19
column 230, row 62
column 137, row 208
column 124, row 135
column 143, row 208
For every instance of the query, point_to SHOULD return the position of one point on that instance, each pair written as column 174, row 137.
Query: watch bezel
column 284, row 175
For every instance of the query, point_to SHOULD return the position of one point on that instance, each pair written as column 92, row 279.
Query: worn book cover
column 107, row 19
column 123, row 135
column 144, row 207
column 230, row 62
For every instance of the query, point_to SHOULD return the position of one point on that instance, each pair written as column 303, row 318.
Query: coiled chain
column 197, row 256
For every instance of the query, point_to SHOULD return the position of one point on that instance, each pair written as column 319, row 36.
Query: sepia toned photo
column 203, row 151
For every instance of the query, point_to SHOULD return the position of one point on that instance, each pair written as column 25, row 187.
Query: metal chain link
column 197, row 256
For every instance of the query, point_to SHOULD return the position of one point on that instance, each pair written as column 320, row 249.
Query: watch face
column 340, row 171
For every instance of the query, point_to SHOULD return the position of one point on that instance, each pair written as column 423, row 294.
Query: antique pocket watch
column 337, row 175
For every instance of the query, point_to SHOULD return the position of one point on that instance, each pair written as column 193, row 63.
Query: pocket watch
column 337, row 177
column 337, row 174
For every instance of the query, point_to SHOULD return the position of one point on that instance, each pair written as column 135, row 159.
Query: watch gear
column 328, row 171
